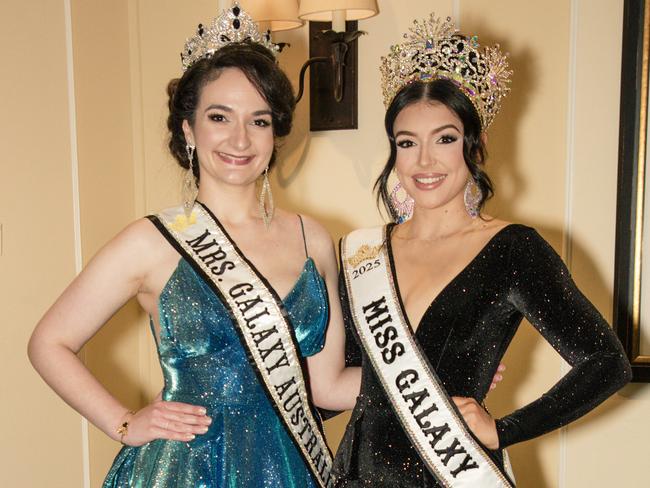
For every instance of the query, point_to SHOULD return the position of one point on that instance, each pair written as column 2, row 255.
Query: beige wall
column 106, row 191
column 553, row 156
column 41, row 436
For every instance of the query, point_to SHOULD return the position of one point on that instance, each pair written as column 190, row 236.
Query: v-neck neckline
column 393, row 273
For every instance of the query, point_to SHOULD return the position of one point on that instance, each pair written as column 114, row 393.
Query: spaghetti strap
column 304, row 238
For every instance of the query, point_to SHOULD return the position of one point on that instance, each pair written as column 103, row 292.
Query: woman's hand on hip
column 479, row 421
column 165, row 420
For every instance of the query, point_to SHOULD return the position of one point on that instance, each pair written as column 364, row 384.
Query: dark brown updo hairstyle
column 474, row 152
column 258, row 65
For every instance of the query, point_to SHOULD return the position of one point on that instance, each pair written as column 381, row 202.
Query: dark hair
column 258, row 65
column 474, row 152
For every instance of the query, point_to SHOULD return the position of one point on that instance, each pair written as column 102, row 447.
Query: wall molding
column 569, row 189
column 76, row 212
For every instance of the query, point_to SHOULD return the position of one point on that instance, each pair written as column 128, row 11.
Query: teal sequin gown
column 204, row 363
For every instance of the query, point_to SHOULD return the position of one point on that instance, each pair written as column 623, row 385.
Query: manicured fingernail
column 209, row 420
column 191, row 436
column 204, row 430
column 202, row 411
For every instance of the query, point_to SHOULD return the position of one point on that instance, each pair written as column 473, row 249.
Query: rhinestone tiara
column 232, row 25
column 434, row 49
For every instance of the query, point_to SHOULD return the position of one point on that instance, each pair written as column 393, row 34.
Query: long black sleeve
column 541, row 288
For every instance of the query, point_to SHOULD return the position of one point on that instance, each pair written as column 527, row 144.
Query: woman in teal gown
column 199, row 351
column 214, row 425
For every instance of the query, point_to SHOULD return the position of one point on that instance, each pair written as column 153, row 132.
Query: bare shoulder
column 319, row 245
column 137, row 247
column 318, row 237
column 138, row 237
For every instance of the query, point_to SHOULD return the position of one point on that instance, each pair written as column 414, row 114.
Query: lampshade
column 276, row 15
column 321, row 10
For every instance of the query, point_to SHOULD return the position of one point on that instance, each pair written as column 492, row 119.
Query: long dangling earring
column 266, row 200
column 404, row 208
column 473, row 196
column 189, row 190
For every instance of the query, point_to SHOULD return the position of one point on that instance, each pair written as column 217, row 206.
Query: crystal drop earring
column 266, row 200
column 189, row 189
column 403, row 208
column 472, row 198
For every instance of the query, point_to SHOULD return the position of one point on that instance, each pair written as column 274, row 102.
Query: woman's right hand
column 165, row 420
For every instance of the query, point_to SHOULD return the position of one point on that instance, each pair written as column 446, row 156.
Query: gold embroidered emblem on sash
column 364, row 253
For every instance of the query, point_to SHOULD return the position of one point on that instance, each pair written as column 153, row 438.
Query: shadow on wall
column 502, row 143
column 293, row 150
column 292, row 155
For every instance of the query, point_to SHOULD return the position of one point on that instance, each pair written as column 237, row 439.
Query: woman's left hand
column 497, row 376
column 479, row 421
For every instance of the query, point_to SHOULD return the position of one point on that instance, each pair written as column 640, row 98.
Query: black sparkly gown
column 465, row 333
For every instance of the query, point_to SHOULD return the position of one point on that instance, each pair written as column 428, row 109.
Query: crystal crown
column 434, row 49
column 232, row 25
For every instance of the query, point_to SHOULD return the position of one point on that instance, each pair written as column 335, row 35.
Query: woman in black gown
column 463, row 284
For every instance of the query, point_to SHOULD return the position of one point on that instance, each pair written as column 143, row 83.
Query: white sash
column 261, row 322
column 427, row 414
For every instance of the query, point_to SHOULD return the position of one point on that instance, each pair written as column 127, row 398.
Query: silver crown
column 232, row 25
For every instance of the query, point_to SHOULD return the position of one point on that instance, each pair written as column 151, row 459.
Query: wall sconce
column 332, row 52
column 333, row 60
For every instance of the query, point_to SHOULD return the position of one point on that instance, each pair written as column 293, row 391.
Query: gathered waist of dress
column 231, row 418
column 218, row 403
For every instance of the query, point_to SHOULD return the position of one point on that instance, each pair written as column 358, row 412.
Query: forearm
column 66, row 374
column 542, row 290
column 588, row 384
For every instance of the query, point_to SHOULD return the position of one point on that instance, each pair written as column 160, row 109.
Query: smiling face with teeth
column 232, row 131
column 429, row 155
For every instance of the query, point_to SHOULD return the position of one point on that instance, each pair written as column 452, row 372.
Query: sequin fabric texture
column 465, row 333
column 204, row 363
